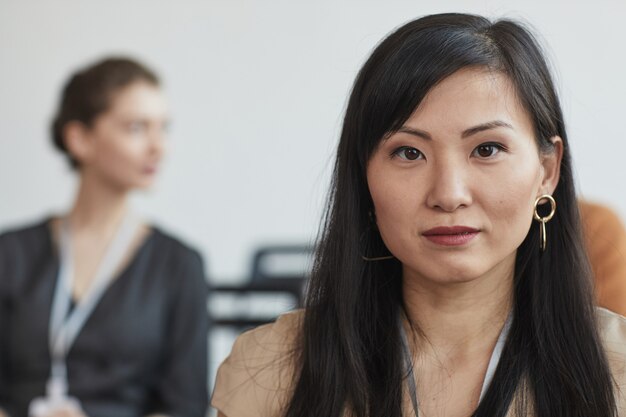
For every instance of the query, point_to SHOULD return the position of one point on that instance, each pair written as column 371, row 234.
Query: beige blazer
column 255, row 380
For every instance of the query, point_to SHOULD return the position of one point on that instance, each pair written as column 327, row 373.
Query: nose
column 449, row 185
column 157, row 141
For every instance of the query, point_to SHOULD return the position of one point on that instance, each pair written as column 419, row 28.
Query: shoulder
column 24, row 245
column 179, row 264
column 25, row 236
column 612, row 328
column 173, row 245
column 256, row 378
column 21, row 249
column 169, row 253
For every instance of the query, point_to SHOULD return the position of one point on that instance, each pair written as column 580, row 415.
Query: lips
column 451, row 236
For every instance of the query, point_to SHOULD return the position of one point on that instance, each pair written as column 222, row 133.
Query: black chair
column 282, row 268
column 275, row 270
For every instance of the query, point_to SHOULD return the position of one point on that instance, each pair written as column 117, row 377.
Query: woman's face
column 454, row 188
column 125, row 144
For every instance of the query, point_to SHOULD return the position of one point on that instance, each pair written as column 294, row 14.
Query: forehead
column 138, row 98
column 470, row 97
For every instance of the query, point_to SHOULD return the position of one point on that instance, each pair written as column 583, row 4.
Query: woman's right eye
column 136, row 127
column 407, row 153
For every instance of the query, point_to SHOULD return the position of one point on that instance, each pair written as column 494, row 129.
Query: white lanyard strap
column 491, row 368
column 495, row 356
column 64, row 327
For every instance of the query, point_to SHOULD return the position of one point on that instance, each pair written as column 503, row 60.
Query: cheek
column 395, row 218
column 396, row 204
column 512, row 210
column 508, row 203
column 120, row 152
column 390, row 200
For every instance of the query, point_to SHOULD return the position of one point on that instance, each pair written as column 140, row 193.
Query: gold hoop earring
column 373, row 258
column 545, row 219
column 379, row 258
column 370, row 227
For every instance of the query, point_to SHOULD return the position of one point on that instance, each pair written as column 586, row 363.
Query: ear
column 77, row 141
column 551, row 164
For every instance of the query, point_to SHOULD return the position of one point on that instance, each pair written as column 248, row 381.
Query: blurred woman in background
column 101, row 313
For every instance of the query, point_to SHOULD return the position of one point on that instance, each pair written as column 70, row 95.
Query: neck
column 99, row 206
column 460, row 319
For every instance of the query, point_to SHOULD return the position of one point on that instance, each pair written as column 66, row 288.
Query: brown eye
column 411, row 154
column 487, row 150
column 408, row 153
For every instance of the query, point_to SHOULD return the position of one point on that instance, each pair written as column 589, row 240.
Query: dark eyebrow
column 415, row 132
column 467, row 132
column 485, row 126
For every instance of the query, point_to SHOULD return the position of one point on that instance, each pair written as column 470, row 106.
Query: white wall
column 257, row 90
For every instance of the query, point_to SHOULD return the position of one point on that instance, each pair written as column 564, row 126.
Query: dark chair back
column 283, row 268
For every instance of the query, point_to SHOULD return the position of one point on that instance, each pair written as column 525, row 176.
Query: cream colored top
column 255, row 379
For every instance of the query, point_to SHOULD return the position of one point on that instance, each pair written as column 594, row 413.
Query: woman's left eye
column 487, row 150
column 407, row 153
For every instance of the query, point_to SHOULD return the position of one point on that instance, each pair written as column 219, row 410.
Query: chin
column 142, row 182
column 144, row 186
column 447, row 273
column 453, row 276
column 129, row 186
column 458, row 279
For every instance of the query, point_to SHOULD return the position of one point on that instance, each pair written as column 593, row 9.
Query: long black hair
column 350, row 352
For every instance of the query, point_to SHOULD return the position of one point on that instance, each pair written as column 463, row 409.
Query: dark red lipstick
column 451, row 236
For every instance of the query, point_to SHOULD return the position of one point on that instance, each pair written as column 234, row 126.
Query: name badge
column 56, row 399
